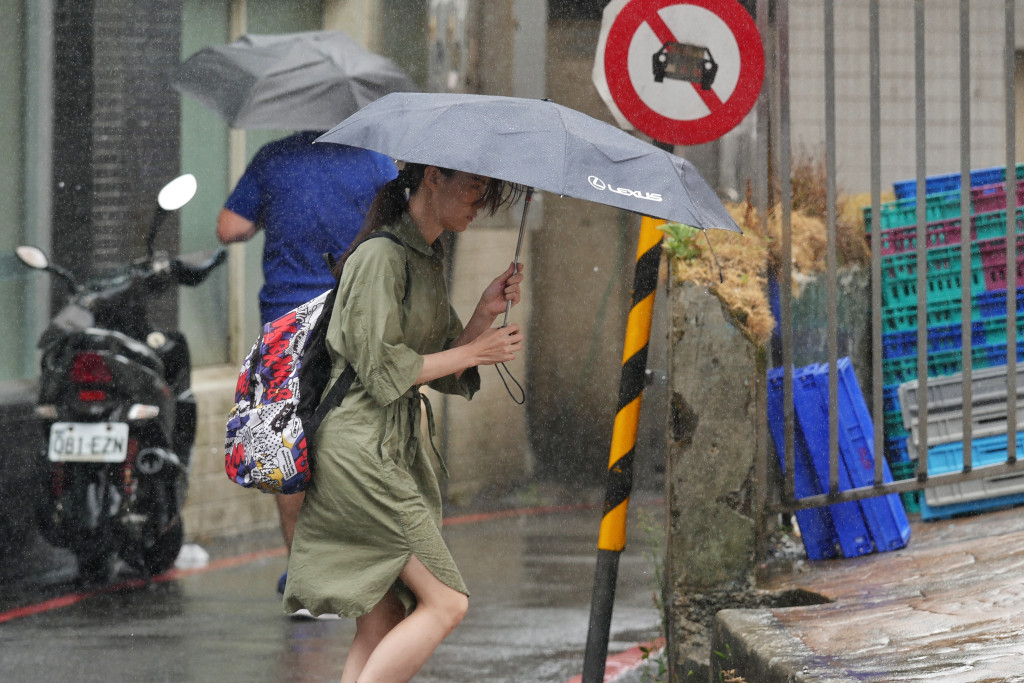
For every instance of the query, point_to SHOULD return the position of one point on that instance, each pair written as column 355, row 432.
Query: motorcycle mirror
column 33, row 257
column 177, row 193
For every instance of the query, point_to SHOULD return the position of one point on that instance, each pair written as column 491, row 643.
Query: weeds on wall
column 736, row 268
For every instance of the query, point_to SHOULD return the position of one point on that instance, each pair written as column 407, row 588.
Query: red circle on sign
column 689, row 131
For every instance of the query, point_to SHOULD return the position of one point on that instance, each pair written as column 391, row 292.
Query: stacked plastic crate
column 898, row 243
column 945, row 439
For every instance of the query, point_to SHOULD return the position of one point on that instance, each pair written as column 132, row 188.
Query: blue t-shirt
column 310, row 200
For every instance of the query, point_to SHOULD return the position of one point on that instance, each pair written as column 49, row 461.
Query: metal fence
column 774, row 19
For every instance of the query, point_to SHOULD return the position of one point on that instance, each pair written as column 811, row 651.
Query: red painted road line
column 73, row 598
column 520, row 512
column 616, row 665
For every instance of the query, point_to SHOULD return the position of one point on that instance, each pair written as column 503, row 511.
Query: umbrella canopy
column 539, row 144
column 291, row 81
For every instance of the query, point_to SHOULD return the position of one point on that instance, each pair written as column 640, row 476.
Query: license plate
column 88, row 442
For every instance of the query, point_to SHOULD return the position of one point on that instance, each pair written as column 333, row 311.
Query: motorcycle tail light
column 92, row 395
column 90, row 368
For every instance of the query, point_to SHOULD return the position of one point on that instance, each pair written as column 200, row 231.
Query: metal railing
column 776, row 33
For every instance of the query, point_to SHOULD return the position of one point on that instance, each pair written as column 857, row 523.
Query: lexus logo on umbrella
column 599, row 184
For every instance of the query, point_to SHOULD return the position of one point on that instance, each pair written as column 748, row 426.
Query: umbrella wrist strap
column 521, row 399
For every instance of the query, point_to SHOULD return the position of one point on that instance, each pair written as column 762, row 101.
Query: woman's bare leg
column 370, row 629
column 407, row 646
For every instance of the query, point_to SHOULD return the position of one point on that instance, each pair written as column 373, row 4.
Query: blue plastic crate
column 896, row 449
column 885, row 515
column 988, row 450
column 993, row 304
column 945, row 182
column 812, row 417
column 949, row 457
column 816, row 525
column 890, row 398
column 844, row 520
column 991, row 355
column 940, row 338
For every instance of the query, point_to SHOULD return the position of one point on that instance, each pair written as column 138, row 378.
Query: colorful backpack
column 277, row 398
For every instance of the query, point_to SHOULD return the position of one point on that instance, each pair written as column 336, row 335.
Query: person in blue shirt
column 309, row 200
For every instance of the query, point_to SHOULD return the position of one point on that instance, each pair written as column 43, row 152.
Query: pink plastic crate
column 903, row 239
column 993, row 261
column 993, row 197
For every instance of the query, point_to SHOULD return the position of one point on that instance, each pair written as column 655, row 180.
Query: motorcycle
column 117, row 410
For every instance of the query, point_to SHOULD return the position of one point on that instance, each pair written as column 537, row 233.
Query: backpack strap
column 336, row 394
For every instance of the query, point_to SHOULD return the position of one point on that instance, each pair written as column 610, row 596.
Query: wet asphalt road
column 530, row 575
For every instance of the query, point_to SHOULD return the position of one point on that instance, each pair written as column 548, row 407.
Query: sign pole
column 612, row 538
column 684, row 72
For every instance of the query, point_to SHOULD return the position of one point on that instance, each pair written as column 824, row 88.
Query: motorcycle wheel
column 159, row 556
column 161, row 542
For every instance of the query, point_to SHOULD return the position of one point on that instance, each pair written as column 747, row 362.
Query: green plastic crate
column 902, row 212
column 904, row 318
column 902, row 471
column 993, row 224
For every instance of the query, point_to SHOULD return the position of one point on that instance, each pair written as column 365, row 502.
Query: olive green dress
column 374, row 500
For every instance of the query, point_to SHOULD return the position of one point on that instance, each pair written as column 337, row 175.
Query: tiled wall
column 216, row 506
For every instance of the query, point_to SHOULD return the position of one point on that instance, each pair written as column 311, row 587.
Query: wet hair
column 392, row 200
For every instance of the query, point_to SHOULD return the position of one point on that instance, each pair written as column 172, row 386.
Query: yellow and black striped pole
column 612, row 539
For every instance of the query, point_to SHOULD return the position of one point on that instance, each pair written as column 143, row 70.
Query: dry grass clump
column 742, row 283
column 746, row 260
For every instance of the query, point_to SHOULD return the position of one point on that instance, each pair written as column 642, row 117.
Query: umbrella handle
column 519, row 245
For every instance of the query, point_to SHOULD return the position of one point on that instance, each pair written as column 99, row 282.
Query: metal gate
column 776, row 23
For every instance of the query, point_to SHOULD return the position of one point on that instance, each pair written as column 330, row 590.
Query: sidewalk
column 948, row 607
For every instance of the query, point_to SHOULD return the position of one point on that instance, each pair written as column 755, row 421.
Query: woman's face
column 459, row 199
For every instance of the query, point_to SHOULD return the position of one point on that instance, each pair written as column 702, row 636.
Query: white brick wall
column 942, row 109
column 216, row 506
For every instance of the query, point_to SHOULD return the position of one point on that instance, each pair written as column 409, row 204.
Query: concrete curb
column 755, row 643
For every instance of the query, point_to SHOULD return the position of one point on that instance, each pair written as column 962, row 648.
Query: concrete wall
column 714, row 371
column 715, row 424
column 483, row 439
column 582, row 272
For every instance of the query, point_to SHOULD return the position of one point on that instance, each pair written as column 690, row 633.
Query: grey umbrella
column 291, row 81
column 539, row 144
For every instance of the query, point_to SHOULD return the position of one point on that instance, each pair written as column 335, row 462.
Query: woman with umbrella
column 368, row 540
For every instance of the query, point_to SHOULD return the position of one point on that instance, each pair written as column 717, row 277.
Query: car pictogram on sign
column 684, row 62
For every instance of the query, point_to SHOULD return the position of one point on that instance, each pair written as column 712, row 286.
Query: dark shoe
column 281, row 582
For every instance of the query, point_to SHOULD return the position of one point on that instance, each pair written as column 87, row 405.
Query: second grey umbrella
column 289, row 81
